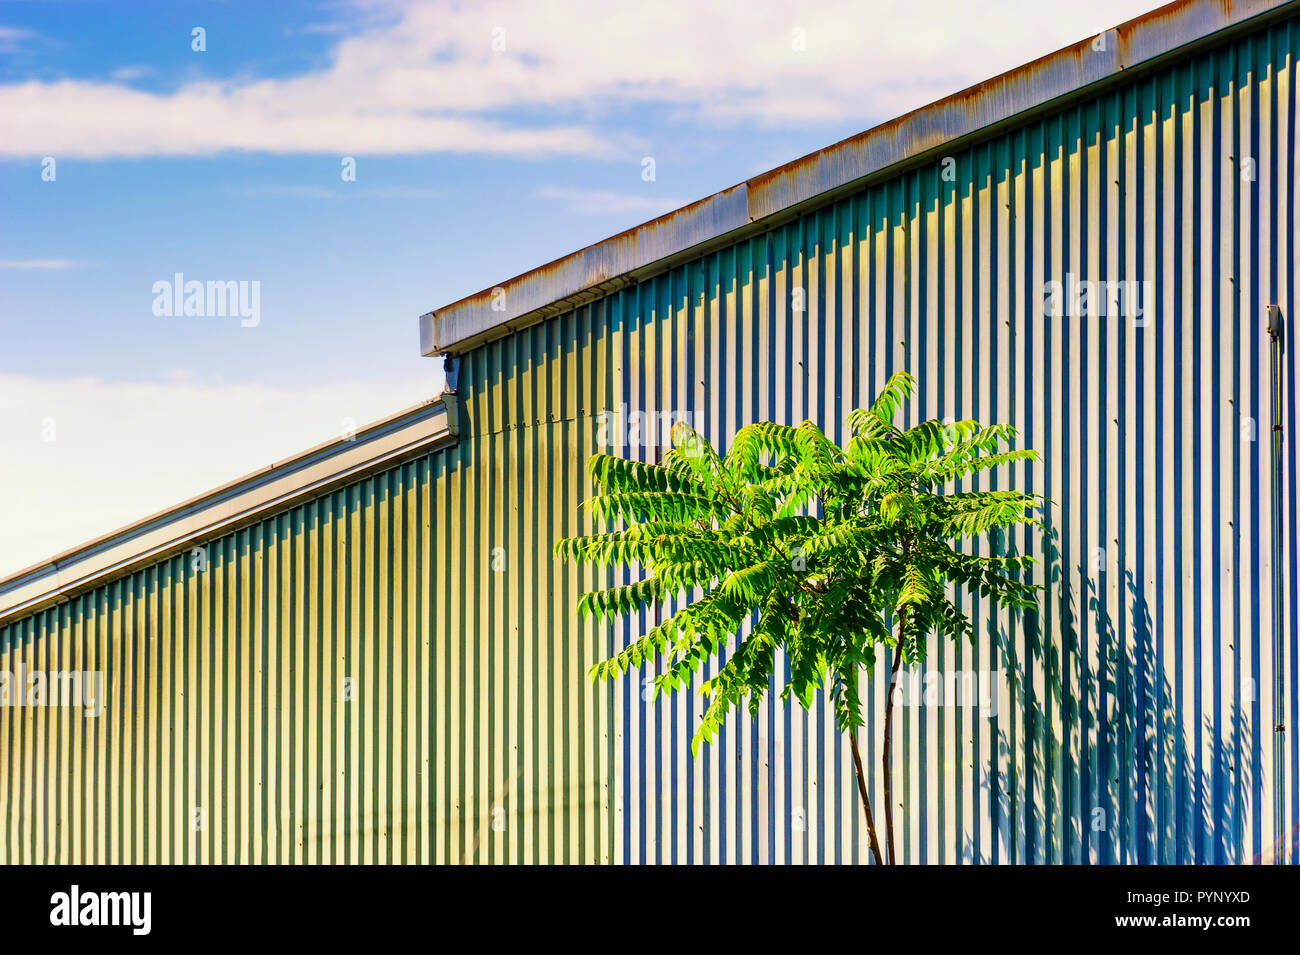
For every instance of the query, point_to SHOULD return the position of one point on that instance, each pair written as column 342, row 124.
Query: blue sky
column 488, row 138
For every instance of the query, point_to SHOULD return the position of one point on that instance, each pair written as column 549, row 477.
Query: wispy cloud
column 510, row 77
column 600, row 202
column 320, row 29
column 346, row 192
column 11, row 38
column 404, row 192
column 126, row 74
column 291, row 192
column 45, row 264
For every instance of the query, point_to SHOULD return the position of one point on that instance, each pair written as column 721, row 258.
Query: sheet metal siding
column 335, row 684
column 1141, row 727
column 472, row 733
column 537, row 758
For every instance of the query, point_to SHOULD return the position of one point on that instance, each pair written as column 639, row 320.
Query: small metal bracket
column 1274, row 313
column 451, row 367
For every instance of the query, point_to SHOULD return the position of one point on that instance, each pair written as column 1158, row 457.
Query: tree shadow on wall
column 1094, row 764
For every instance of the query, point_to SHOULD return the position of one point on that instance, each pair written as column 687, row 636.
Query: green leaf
column 792, row 543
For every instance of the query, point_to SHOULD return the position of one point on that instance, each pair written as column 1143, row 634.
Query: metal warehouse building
column 367, row 653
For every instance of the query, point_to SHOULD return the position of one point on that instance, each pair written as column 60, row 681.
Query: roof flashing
column 237, row 504
column 818, row 178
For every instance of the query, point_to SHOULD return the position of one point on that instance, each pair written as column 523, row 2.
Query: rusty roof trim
column 825, row 175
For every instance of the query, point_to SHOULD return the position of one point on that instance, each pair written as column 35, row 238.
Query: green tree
column 793, row 542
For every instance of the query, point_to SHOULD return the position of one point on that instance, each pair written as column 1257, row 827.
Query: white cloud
column 126, row 74
column 344, row 192
column 427, row 79
column 121, row 451
column 404, row 192
column 80, row 119
column 312, row 29
column 45, row 264
column 11, row 38
column 599, row 202
column 291, row 192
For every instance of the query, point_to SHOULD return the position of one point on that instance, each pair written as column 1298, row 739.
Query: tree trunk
column 866, row 800
column 889, row 713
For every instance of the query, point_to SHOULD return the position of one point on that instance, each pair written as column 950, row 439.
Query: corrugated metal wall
column 1142, row 727
column 469, row 731
column 329, row 685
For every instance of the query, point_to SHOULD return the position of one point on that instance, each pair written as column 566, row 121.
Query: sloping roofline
column 316, row 471
column 821, row 177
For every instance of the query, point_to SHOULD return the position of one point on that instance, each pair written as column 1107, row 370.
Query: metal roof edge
column 760, row 202
column 236, row 504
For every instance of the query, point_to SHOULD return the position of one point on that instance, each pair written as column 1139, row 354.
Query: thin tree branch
column 885, row 760
column 866, row 800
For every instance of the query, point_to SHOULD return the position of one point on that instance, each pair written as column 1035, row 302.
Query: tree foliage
column 791, row 542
